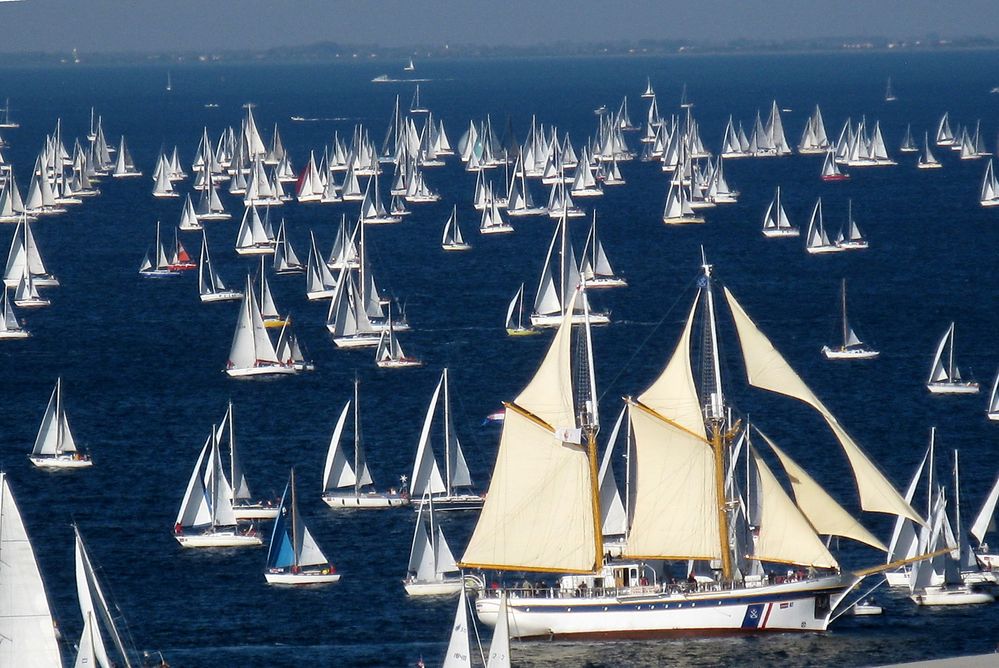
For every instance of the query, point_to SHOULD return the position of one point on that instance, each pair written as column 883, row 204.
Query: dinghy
column 210, row 286
column 26, row 625
column 293, row 557
column 432, row 569
column 55, row 446
column 452, row 491
column 945, row 376
column 347, row 485
column 852, row 348
column 206, row 517
column 252, row 353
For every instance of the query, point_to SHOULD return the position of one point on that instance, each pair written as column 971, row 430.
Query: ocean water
column 141, row 360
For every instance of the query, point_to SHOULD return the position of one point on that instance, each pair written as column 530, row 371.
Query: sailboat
column 854, row 238
column 24, row 257
column 852, row 347
column 817, row 241
column 210, row 205
column 5, row 121
column 164, row 186
column 254, row 237
column 289, row 350
column 649, row 93
column 285, row 259
column 889, row 93
column 678, row 210
column 206, row 517
column 831, row 170
column 169, row 84
column 162, row 267
column 945, row 377
column 55, row 446
column 515, row 324
column 556, row 291
column 99, row 613
column 416, row 107
column 268, row 308
column 990, row 187
column 180, row 259
column 945, row 136
column 542, row 510
column 459, row 649
column 389, row 354
column 244, row 506
column 775, row 221
column 293, row 557
column 432, row 569
column 210, row 286
column 452, row 239
column 26, row 625
column 908, row 143
column 492, row 221
column 452, row 491
column 189, row 221
column 927, row 160
column 409, row 66
column 252, row 353
column 596, row 269
column 993, row 409
column 939, row 581
column 319, row 280
column 10, row 326
column 26, row 294
column 347, row 485
column 124, row 167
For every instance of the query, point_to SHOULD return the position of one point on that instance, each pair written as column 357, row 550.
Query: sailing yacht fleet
column 702, row 536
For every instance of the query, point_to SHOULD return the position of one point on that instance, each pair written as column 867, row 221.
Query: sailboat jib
column 767, row 369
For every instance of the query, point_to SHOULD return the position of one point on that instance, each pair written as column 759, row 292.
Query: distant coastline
column 327, row 52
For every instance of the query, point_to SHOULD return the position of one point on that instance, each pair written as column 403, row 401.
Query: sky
column 215, row 25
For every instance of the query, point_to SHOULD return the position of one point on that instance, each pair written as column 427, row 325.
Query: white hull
column 555, row 319
column 255, row 512
column 496, row 229
column 372, row 500
column 218, row 539
column 602, row 282
column 14, row 334
column 781, row 233
column 359, row 341
column 228, row 296
column 823, row 250
column 255, row 250
column 317, row 295
column 270, row 370
column 683, row 220
column 457, row 247
column 963, row 595
column 796, row 606
column 453, row 502
column 302, row 578
column 60, row 462
column 401, row 363
column 847, row 354
column 446, row 588
column 953, row 388
column 852, row 245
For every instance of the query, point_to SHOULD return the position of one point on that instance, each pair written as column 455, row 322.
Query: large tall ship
column 701, row 497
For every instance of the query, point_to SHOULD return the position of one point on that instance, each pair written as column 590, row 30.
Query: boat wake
column 387, row 79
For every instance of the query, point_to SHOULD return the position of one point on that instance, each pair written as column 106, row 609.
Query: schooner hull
column 799, row 606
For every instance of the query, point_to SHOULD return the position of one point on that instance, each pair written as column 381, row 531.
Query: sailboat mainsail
column 293, row 556
column 432, row 570
column 26, row 625
column 252, row 352
column 55, row 446
column 945, row 376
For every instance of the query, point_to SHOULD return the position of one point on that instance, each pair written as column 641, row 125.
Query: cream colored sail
column 767, row 369
column 823, row 512
column 673, row 393
column 785, row 535
column 674, row 512
column 539, row 512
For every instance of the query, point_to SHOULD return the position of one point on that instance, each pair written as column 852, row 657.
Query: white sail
column 250, row 342
column 823, row 512
column 499, row 647
column 54, row 435
column 338, row 473
column 426, row 478
column 767, row 369
column 985, row 520
column 613, row 518
column 94, row 605
column 459, row 652
column 27, row 632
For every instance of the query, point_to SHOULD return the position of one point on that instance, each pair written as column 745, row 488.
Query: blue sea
column 142, row 360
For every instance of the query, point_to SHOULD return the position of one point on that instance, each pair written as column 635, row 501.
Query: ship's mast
column 714, row 411
column 589, row 421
